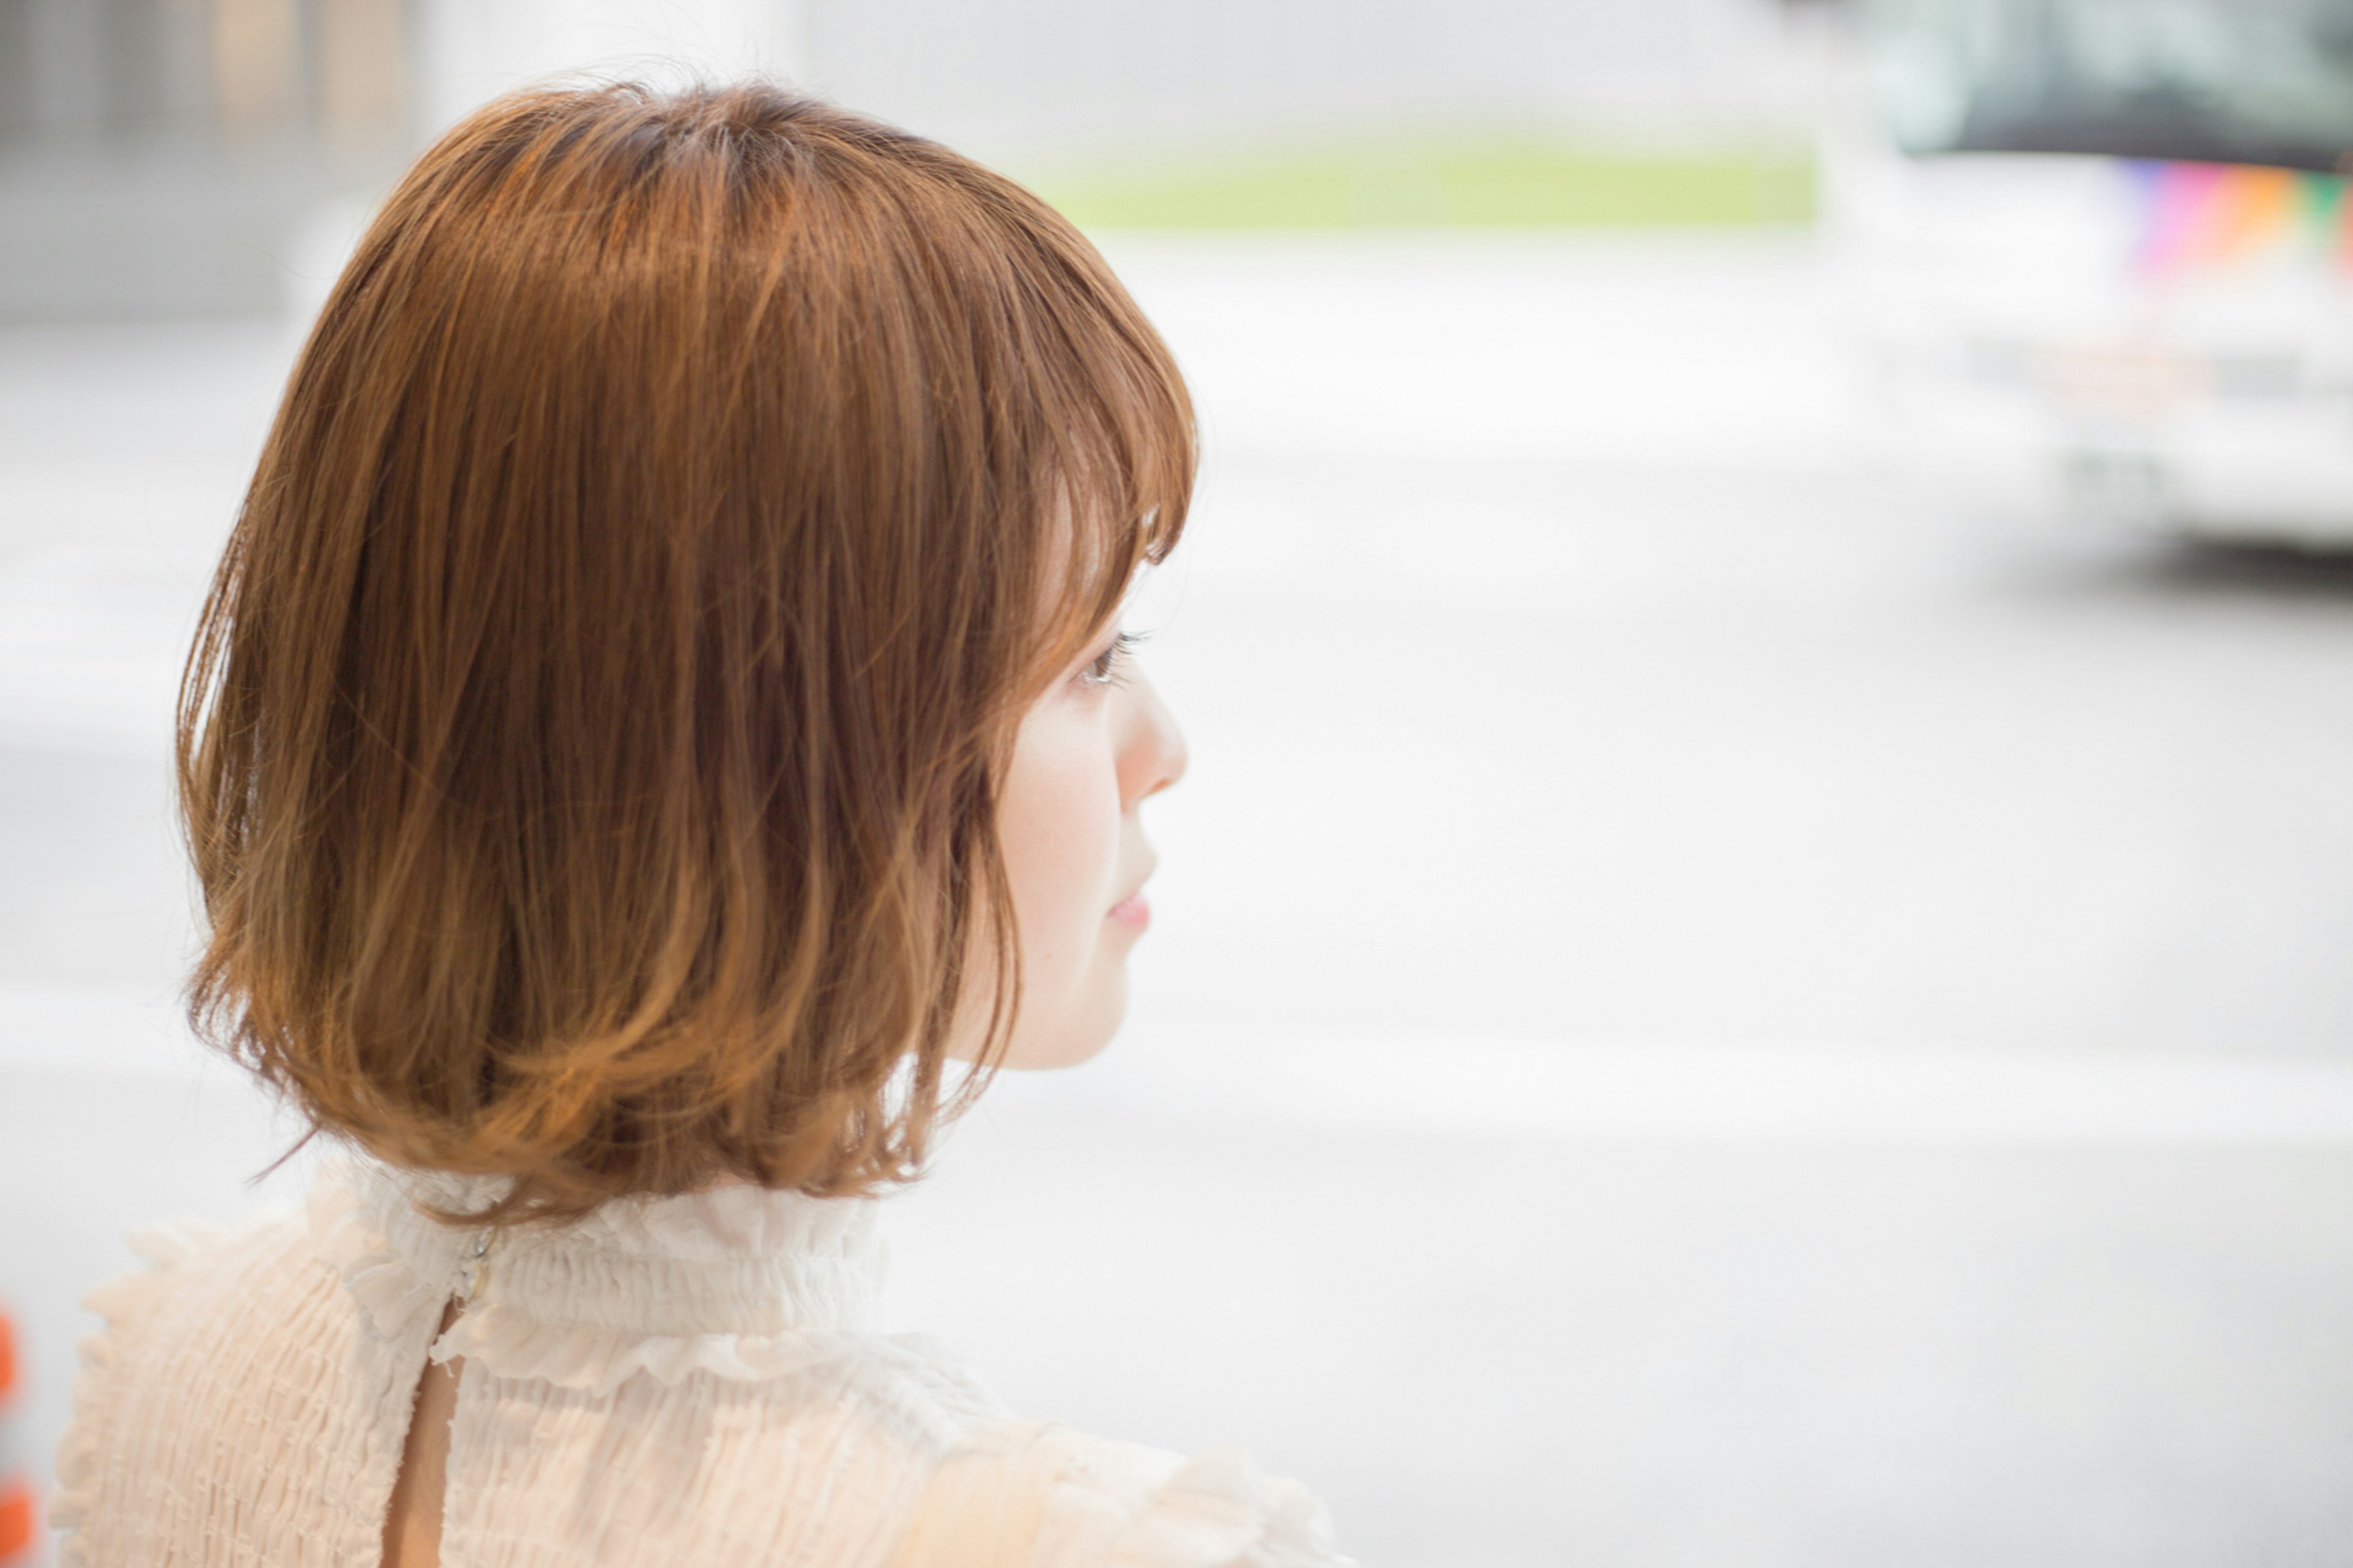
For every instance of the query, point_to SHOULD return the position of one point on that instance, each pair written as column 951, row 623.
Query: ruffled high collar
column 739, row 1281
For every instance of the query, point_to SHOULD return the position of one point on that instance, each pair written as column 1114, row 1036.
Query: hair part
column 590, row 748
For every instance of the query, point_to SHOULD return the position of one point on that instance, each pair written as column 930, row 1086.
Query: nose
column 1152, row 748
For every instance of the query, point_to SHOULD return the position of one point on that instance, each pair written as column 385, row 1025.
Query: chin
column 1079, row 1031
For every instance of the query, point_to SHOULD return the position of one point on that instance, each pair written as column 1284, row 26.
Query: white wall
column 1065, row 78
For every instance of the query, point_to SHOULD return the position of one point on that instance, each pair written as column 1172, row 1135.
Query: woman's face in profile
column 1088, row 754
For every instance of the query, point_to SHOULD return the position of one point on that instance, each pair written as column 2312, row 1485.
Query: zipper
column 475, row 1271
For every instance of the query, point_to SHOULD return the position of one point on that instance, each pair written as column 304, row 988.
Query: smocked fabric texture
column 693, row 1379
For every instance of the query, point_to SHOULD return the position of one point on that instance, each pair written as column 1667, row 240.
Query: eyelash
column 1103, row 669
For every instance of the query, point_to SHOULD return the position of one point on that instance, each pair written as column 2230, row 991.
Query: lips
column 1134, row 911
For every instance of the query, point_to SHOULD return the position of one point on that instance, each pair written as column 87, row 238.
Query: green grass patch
column 1457, row 185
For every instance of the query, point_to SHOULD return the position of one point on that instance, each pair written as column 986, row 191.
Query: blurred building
column 1027, row 77
column 162, row 157
column 155, row 155
column 165, row 157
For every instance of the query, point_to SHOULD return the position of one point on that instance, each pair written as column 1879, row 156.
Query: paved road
column 1559, row 679
column 1557, row 668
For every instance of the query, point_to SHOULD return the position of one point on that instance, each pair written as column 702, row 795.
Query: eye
column 1103, row 669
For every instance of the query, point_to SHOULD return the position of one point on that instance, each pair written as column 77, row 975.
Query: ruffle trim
column 509, row 1344
column 1220, row 1510
column 81, row 1453
column 392, row 1294
column 505, row 1339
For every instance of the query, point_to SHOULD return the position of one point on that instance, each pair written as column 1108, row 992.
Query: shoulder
column 1037, row 1495
column 203, row 1285
column 1125, row 1504
column 199, row 1280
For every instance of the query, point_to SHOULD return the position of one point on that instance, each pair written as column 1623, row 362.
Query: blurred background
column 1753, row 966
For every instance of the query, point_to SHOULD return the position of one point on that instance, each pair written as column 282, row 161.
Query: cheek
column 1058, row 822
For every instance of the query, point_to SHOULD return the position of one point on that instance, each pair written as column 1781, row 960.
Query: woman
column 659, row 737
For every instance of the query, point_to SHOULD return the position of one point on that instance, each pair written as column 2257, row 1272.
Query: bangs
column 1109, row 519
column 1107, row 444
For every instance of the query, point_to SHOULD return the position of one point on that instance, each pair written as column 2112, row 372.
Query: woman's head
column 680, row 553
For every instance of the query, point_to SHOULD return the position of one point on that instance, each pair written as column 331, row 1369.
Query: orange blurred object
column 20, row 1518
column 17, row 1520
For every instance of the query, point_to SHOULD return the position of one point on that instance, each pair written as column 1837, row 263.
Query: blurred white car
column 2100, row 254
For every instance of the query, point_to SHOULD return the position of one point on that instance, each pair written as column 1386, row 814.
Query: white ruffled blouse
column 684, row 1379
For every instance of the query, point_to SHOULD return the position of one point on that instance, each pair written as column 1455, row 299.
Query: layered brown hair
column 589, row 752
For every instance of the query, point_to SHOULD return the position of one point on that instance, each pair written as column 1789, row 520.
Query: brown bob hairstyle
column 590, row 749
